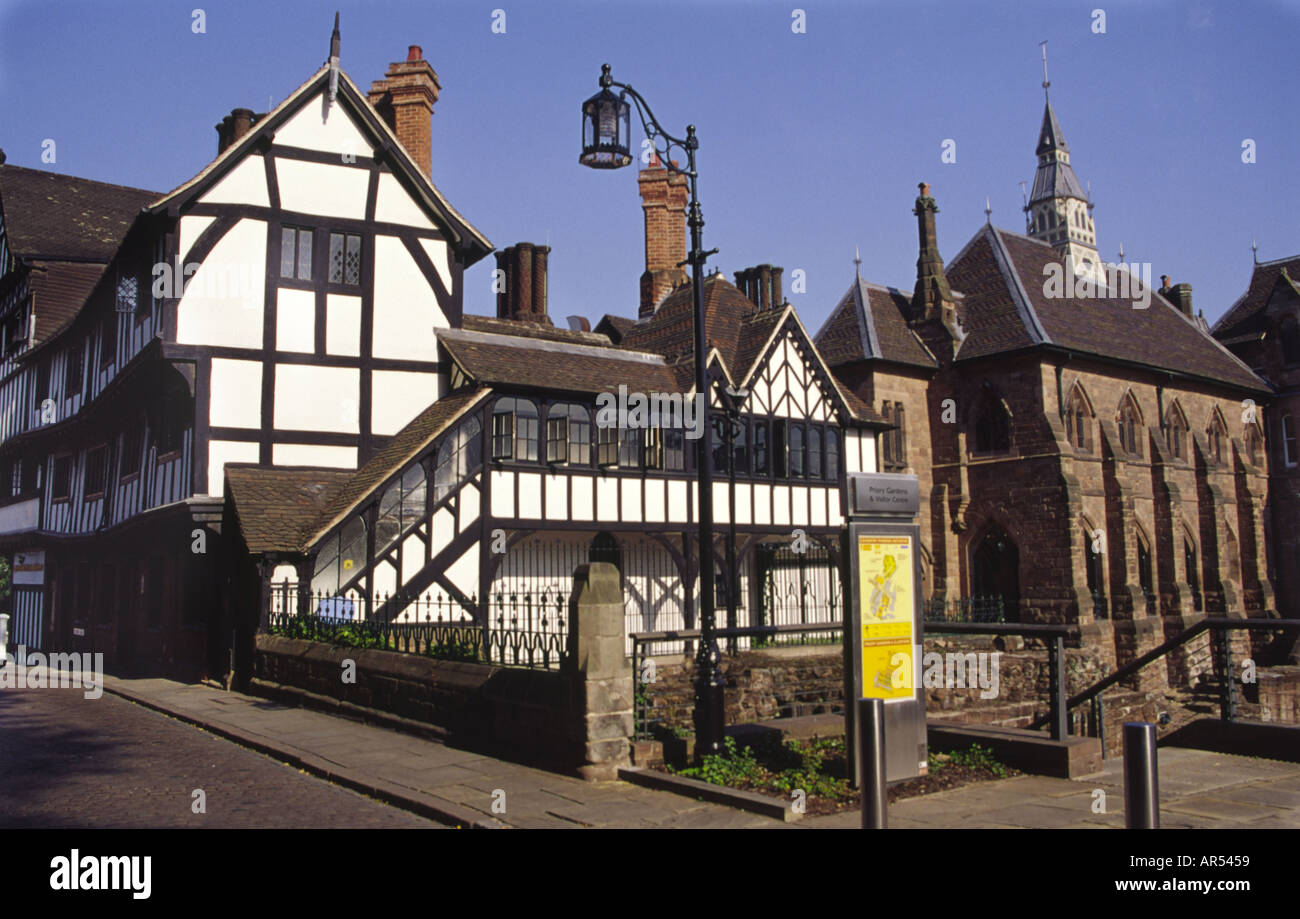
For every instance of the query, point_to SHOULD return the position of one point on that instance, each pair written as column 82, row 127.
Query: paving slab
column 1197, row 788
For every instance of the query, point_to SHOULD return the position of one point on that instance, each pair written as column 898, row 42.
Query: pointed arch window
column 1129, row 423
column 1095, row 569
column 1078, row 417
column 1144, row 568
column 1193, row 572
column 1250, row 440
column 1217, row 438
column 1176, row 432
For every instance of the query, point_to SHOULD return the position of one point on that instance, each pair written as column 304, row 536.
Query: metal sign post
column 882, row 628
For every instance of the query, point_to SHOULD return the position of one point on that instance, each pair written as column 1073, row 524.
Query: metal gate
column 797, row 587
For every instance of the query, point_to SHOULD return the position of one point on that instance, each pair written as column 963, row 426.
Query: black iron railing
column 965, row 609
column 516, row 629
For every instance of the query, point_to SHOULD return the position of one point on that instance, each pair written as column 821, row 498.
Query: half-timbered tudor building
column 279, row 309
column 1087, row 454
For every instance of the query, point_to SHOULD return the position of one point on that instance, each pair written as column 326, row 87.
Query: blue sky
column 810, row 144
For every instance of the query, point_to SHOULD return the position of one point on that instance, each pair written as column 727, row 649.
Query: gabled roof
column 1007, row 308
column 463, row 236
column 60, row 217
column 870, row 324
column 493, row 359
column 276, row 504
column 60, row 289
column 1243, row 317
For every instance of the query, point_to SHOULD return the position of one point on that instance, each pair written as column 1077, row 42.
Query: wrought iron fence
column 965, row 609
column 516, row 629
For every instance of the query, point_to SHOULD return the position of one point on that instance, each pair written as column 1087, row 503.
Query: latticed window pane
column 352, row 261
column 128, row 292
column 503, row 433
column 288, row 251
column 607, row 446
column 629, row 448
column 579, row 435
column 304, row 255
column 336, row 258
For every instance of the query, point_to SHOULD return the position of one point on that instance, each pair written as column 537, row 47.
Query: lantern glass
column 605, row 131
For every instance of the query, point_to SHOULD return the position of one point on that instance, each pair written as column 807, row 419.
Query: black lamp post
column 606, row 145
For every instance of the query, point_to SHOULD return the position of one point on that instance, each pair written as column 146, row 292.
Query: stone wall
column 578, row 719
column 1279, row 694
column 796, row 681
column 527, row 713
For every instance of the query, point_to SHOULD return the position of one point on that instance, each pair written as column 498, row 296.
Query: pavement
column 460, row 787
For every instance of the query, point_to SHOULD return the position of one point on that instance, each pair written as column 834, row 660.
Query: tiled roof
column 53, row 216
column 616, row 327
column 395, row 455
column 1002, row 277
column 286, row 509
column 671, row 330
column 492, row 359
column 276, row 505
column 60, row 289
column 870, row 324
column 525, row 329
column 1242, row 318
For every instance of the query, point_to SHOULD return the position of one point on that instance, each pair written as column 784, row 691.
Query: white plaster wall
column 235, row 319
column 221, row 452
column 406, row 309
column 310, row 398
column 236, row 394
column 557, row 497
column 245, row 184
column 318, row 188
column 503, row 494
column 342, row 324
column 192, row 228
column 438, row 253
column 321, row 126
column 394, row 205
column 397, row 396
column 314, row 455
column 530, row 495
column 295, row 320
column 584, row 498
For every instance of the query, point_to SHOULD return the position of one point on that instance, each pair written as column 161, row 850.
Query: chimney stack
column 1180, row 295
column 233, row 128
column 663, row 199
column 762, row 285
column 932, row 296
column 524, row 297
column 405, row 99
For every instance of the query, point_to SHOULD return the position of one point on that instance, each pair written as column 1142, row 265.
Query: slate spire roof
column 1055, row 177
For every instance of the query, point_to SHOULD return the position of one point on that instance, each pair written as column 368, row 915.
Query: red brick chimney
column 234, row 126
column 524, row 297
column 404, row 99
column 663, row 198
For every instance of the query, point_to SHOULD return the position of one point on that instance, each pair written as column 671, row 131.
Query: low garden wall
column 575, row 719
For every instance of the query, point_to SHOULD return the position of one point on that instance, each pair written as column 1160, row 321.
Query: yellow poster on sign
column 885, row 573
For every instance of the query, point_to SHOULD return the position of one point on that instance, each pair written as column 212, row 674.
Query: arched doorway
column 995, row 570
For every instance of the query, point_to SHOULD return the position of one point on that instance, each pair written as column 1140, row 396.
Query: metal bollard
column 4, row 639
column 1141, row 780
column 871, row 759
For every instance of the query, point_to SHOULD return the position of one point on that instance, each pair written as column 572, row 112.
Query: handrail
column 1203, row 625
column 1027, row 629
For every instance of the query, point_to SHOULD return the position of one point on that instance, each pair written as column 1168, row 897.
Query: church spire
column 1059, row 210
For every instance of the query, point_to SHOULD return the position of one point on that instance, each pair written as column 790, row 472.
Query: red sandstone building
column 1084, row 458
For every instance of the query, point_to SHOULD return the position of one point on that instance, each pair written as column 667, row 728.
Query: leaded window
column 345, row 259
column 832, row 455
column 295, row 253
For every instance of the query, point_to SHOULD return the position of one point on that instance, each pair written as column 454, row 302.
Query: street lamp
column 606, row 145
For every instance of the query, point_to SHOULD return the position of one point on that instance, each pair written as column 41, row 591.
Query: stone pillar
column 602, row 673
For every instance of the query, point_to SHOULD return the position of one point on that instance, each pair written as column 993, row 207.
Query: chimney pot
column 415, row 53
